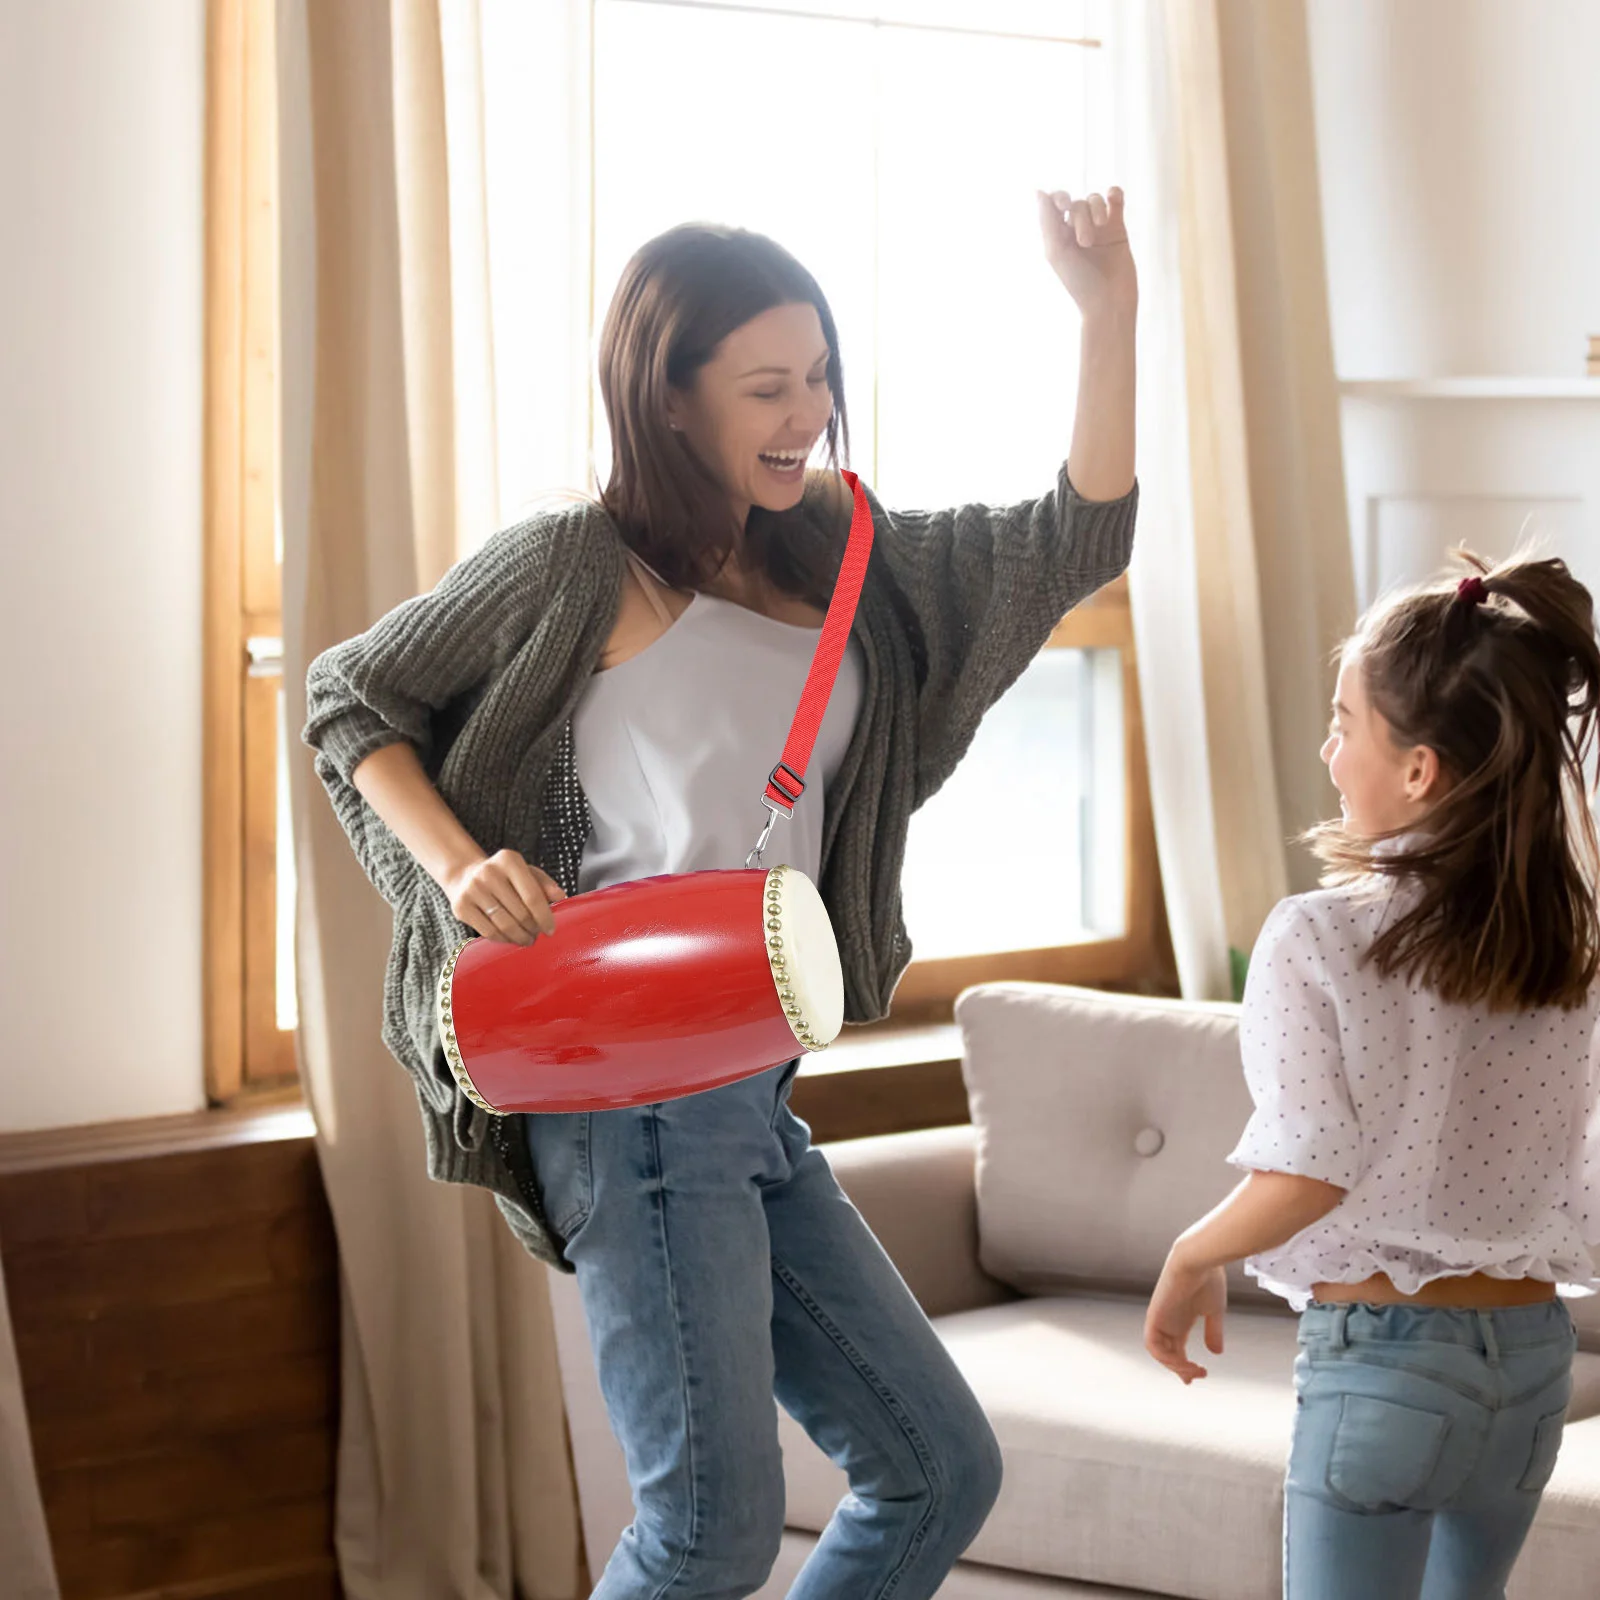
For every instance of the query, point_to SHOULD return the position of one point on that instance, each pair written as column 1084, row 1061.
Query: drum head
column 805, row 957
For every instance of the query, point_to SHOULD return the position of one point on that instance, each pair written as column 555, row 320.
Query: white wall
column 1459, row 155
column 1460, row 166
column 101, row 133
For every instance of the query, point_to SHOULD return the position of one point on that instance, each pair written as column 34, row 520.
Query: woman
column 597, row 695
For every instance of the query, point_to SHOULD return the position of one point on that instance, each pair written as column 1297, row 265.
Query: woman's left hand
column 1182, row 1297
column 1087, row 244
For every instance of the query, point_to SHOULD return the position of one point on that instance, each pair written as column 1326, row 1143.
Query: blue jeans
column 720, row 1266
column 1423, row 1440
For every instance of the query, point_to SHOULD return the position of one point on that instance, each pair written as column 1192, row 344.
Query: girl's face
column 1383, row 786
column 757, row 408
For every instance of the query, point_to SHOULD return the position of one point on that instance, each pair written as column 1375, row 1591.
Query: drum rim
column 802, row 1025
column 447, row 1035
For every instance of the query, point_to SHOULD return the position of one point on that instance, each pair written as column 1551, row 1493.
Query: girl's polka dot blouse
column 1469, row 1141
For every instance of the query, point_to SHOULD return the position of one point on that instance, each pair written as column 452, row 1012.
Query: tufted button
column 1149, row 1141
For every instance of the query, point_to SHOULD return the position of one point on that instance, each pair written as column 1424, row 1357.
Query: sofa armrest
column 916, row 1192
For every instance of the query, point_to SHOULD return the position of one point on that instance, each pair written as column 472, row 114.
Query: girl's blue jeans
column 720, row 1267
column 1423, row 1440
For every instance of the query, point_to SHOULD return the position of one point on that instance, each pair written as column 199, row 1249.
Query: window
column 1068, row 883
column 249, row 1033
column 898, row 161
column 895, row 148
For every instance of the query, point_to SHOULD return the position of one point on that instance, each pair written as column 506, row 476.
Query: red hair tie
column 1471, row 590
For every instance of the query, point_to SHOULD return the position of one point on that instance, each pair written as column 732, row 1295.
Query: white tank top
column 674, row 746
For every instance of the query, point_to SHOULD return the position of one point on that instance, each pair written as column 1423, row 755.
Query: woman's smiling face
column 755, row 411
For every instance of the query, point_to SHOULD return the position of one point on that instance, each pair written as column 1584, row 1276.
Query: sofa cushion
column 1104, row 1124
column 1562, row 1555
column 1116, row 1473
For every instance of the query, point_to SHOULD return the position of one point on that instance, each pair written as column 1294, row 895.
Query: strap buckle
column 788, row 788
column 788, row 792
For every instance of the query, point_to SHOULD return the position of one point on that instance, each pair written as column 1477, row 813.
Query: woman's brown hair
column 1499, row 674
column 679, row 297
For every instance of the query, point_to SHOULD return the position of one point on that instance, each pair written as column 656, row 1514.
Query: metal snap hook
column 754, row 858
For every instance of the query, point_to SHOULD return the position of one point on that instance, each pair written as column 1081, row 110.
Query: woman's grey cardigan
column 483, row 674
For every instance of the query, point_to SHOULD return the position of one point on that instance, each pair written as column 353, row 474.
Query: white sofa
column 1100, row 1127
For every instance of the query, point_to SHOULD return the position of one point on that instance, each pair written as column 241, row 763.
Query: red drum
column 647, row 991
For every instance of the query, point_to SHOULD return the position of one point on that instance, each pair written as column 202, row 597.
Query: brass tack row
column 777, row 954
column 447, row 1035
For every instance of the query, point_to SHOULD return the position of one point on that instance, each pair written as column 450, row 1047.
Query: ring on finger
column 489, row 911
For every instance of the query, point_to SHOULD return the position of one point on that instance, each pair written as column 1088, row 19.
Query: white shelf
column 1470, row 388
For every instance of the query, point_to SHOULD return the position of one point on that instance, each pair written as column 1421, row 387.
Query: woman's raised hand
column 502, row 897
column 1087, row 244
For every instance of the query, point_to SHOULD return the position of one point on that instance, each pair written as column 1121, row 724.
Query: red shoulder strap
column 788, row 780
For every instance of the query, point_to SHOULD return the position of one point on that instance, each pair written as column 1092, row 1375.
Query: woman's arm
column 386, row 683
column 1087, row 244
column 499, row 896
column 984, row 586
column 382, row 688
column 1100, row 465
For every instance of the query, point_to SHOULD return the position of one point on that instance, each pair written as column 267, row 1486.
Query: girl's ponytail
column 1561, row 612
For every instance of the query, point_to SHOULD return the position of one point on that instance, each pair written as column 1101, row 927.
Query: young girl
column 1424, row 1158
column 598, row 696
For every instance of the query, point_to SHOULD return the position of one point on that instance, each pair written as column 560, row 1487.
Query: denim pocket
column 1384, row 1454
column 1546, row 1447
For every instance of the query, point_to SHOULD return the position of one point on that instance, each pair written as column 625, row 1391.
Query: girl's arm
column 1266, row 1210
column 1301, row 1148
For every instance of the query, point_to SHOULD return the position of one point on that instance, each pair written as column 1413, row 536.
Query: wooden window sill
column 873, row 1080
column 92, row 1143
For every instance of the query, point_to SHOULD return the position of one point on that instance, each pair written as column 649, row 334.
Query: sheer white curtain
column 1242, row 580
column 454, row 1475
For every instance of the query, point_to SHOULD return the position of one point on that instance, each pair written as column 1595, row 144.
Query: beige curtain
column 30, row 1572
column 454, row 1475
column 1243, row 580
